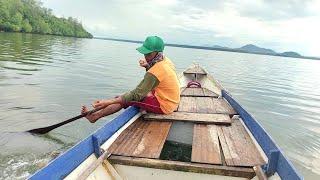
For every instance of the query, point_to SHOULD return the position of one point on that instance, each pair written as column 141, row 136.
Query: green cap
column 151, row 44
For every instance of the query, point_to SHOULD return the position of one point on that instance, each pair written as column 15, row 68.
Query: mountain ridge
column 251, row 48
column 290, row 54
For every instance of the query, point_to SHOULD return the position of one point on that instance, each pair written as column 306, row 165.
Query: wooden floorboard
column 205, row 145
column 183, row 166
column 191, row 117
column 207, row 105
column 198, row 92
column 142, row 139
column 238, row 147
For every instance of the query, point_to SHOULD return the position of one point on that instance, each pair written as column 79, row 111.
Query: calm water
column 46, row 79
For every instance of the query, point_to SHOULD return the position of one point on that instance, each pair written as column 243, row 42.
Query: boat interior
column 204, row 138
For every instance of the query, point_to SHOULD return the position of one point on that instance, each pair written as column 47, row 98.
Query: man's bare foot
column 91, row 117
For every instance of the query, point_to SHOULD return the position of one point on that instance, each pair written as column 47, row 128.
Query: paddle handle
column 49, row 128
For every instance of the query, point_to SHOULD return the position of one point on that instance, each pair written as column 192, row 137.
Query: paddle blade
column 39, row 131
column 45, row 130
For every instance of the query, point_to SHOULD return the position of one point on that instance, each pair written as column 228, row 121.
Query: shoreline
column 47, row 34
column 208, row 48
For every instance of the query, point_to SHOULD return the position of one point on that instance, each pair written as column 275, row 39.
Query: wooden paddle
column 45, row 130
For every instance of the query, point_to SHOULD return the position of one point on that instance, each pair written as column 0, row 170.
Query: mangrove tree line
column 29, row 16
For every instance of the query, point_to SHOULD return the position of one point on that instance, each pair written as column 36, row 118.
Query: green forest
column 28, row 16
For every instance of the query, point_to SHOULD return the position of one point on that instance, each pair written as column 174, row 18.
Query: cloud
column 275, row 10
column 281, row 25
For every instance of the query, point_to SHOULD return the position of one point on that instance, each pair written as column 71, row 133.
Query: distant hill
column 255, row 49
column 250, row 48
column 220, row 47
column 290, row 54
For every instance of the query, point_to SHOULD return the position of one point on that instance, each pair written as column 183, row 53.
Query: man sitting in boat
column 158, row 92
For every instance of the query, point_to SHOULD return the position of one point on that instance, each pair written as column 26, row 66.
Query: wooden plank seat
column 244, row 172
column 198, row 92
column 206, row 105
column 237, row 147
column 195, row 70
column 191, row 117
column 142, row 139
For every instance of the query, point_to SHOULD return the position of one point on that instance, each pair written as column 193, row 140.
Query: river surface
column 45, row 80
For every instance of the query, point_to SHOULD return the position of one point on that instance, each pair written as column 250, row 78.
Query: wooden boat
column 209, row 136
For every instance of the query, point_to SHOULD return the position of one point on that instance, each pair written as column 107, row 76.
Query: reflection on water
column 46, row 79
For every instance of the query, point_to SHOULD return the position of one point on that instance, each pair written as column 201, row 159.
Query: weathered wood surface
column 207, row 92
column 142, row 139
column 237, row 146
column 198, row 92
column 205, row 146
column 191, row 117
column 207, row 105
column 187, row 104
column 195, row 70
column 184, row 166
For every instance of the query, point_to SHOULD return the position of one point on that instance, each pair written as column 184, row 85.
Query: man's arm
column 148, row 83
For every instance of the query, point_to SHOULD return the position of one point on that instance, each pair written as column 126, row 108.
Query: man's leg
column 113, row 108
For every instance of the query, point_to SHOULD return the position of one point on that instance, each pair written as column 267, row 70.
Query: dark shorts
column 149, row 103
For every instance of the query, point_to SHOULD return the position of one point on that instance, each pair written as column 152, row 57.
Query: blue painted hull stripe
column 71, row 159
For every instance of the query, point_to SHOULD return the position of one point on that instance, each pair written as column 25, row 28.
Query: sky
column 281, row 25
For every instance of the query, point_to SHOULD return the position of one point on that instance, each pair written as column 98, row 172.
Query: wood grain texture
column 142, row 139
column 184, row 166
column 191, row 117
column 205, row 145
column 238, row 148
column 207, row 105
column 198, row 92
column 208, row 93
column 189, row 92
column 187, row 104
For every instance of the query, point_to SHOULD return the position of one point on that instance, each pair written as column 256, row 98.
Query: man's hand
column 143, row 63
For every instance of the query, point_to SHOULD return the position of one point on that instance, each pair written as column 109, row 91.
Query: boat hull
column 72, row 164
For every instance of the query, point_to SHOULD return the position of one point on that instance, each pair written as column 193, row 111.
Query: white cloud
column 282, row 25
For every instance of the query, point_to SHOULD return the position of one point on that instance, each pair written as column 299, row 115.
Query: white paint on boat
column 99, row 172
column 143, row 173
